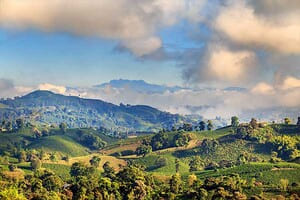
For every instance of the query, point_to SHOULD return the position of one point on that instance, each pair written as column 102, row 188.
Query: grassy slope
column 229, row 149
column 266, row 173
column 59, row 143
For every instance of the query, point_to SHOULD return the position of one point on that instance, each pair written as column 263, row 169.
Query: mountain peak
column 139, row 86
column 39, row 93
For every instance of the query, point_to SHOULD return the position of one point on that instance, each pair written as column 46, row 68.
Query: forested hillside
column 45, row 107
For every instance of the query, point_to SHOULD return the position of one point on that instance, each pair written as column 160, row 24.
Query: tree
column 95, row 161
column 22, row 156
column 143, row 150
column 181, row 140
column 161, row 162
column 177, row 165
column 36, row 164
column 108, row 170
column 53, row 157
column 187, row 127
column 253, row 123
column 63, row 127
column 159, row 141
column 234, row 121
column 298, row 122
column 80, row 169
column 12, row 167
column 209, row 125
column 175, row 183
column 11, row 193
column 284, row 183
column 20, row 123
column 196, row 164
column 191, row 179
column 202, row 125
column 287, row 121
column 209, row 146
column 8, row 126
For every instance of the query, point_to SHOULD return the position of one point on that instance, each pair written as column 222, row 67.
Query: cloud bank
column 207, row 102
column 135, row 23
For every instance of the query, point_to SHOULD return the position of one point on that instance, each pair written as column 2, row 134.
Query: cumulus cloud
column 290, row 83
column 53, row 88
column 221, row 65
column 229, row 65
column 133, row 22
column 263, row 88
column 241, row 24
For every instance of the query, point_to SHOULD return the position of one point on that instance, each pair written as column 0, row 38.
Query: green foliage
column 196, row 164
column 284, row 183
column 234, row 121
column 286, row 146
column 161, row 162
column 11, row 194
column 209, row 125
column 36, row 164
column 95, row 161
column 143, row 150
column 63, row 127
column 202, row 125
column 287, row 121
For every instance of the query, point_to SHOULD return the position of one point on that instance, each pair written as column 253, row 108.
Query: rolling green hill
column 59, row 143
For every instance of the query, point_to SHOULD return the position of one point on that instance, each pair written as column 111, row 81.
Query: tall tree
column 209, row 125
column 234, row 121
column 20, row 123
column 63, row 127
column 202, row 125
column 253, row 123
column 287, row 121
column 143, row 150
column 95, row 161
column 177, row 165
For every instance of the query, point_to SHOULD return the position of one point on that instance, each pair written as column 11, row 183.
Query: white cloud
column 290, row 82
column 226, row 65
column 263, row 88
column 53, row 88
column 241, row 24
column 134, row 22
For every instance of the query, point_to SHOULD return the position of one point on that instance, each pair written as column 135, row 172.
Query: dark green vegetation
column 45, row 107
column 243, row 161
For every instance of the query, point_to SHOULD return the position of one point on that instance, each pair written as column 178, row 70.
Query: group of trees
column 130, row 183
column 90, row 140
column 8, row 126
column 201, row 126
column 163, row 140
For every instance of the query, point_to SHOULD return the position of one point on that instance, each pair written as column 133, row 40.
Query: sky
column 252, row 44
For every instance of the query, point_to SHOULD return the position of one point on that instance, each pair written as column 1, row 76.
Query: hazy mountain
column 51, row 108
column 139, row 86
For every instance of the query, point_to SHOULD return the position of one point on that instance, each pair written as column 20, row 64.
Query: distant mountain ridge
column 48, row 107
column 140, row 86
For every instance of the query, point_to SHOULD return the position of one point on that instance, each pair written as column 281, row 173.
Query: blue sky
column 30, row 57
